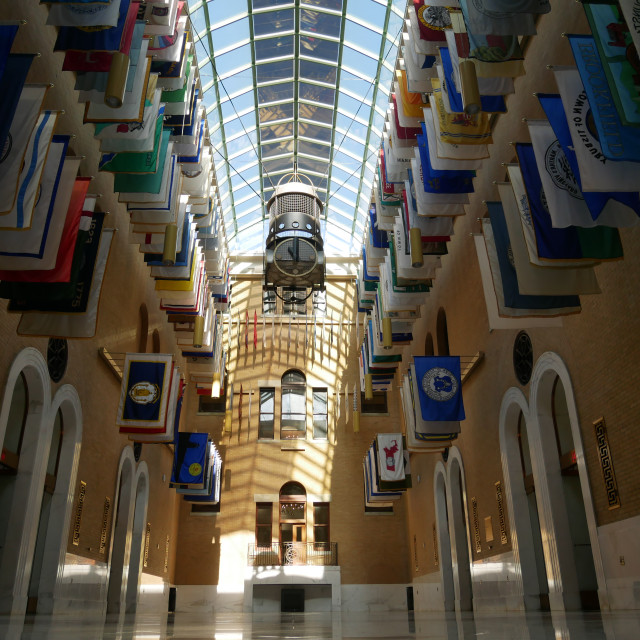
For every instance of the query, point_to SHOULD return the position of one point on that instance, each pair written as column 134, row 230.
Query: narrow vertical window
column 321, row 535
column 320, row 420
column 267, row 404
column 264, row 519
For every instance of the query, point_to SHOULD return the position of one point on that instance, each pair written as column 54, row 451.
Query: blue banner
column 189, row 462
column 440, row 387
column 146, row 391
column 512, row 296
column 490, row 104
column 596, row 201
column 619, row 142
column 93, row 39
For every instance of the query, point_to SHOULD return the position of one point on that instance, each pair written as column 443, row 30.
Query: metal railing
column 293, row 553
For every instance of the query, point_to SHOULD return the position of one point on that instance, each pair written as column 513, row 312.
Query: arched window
column 442, row 333
column 293, row 418
column 293, row 523
column 428, row 346
column 143, row 328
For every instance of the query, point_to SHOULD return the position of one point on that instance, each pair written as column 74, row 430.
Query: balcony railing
column 294, row 553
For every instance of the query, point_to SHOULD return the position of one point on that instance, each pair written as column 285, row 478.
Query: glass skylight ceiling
column 302, row 82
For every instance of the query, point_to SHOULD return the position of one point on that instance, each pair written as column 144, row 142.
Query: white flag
column 16, row 145
column 482, row 21
column 24, row 248
column 563, row 195
column 596, row 172
column 21, row 214
column 95, row 14
column 535, row 280
column 514, row 6
column 390, row 457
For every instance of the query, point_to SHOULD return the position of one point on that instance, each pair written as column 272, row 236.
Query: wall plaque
column 606, row 464
column 78, row 518
column 435, row 545
column 105, row 524
column 501, row 520
column 476, row 525
column 147, row 540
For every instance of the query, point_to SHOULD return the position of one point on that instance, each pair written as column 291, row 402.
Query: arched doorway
column 25, row 435
column 293, row 523
column 519, row 492
column 120, row 554
column 428, row 345
column 137, row 536
column 444, row 537
column 460, row 556
column 442, row 333
column 571, row 547
column 67, row 410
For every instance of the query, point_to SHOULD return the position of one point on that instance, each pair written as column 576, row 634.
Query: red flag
column 246, row 329
column 432, row 20
column 62, row 271
column 255, row 329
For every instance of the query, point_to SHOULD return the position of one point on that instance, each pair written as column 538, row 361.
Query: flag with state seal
column 440, row 387
column 145, row 390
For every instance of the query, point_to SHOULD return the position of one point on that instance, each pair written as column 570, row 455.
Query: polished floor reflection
column 316, row 626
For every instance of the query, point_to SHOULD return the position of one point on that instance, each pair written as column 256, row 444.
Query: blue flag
column 441, row 180
column 512, row 296
column 7, row 36
column 16, row 68
column 107, row 39
column 569, row 243
column 378, row 237
column 440, row 387
column 596, row 201
column 619, row 142
column 145, row 389
column 189, row 462
column 490, row 104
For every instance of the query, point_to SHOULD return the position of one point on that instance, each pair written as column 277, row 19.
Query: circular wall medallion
column 523, row 357
column 57, row 358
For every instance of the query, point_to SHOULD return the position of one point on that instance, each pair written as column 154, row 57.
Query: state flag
column 21, row 214
column 17, row 145
column 597, row 172
column 78, row 324
column 500, row 285
column 189, row 459
column 609, row 208
column 618, row 56
column 60, row 271
column 12, row 79
column 145, row 389
column 569, row 243
column 432, row 20
column 440, row 387
column 533, row 279
column 30, row 243
column 93, row 14
column 619, row 141
column 483, row 21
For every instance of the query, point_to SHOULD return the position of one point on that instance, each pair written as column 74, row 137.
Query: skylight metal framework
column 296, row 83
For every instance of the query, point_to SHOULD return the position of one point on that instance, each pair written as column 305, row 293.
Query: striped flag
column 11, row 162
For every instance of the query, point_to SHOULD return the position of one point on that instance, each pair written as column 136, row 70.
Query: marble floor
column 312, row 626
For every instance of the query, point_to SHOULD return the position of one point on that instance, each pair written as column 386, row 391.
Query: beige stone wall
column 371, row 548
column 127, row 285
column 599, row 345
